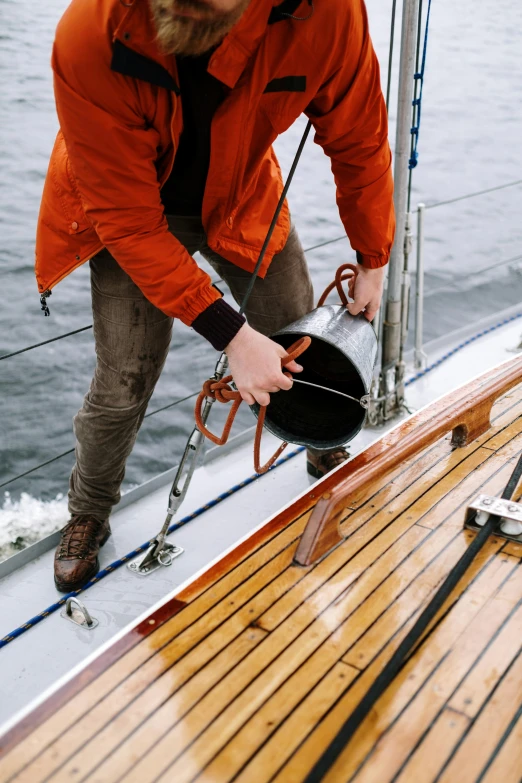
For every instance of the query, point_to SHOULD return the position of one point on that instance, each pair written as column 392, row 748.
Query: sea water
column 469, row 140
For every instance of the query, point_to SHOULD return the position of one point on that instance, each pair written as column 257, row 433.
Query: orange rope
column 223, row 392
column 345, row 272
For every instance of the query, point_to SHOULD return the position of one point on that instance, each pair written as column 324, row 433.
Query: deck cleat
column 509, row 512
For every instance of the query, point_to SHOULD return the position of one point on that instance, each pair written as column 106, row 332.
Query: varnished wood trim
column 274, row 526
column 466, row 411
column 102, row 662
column 203, row 583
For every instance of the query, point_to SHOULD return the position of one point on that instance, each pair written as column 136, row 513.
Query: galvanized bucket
column 326, row 406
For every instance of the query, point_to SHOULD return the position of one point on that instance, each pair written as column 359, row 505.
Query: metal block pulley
column 510, row 513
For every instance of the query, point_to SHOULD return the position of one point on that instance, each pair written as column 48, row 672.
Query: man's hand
column 255, row 364
column 367, row 292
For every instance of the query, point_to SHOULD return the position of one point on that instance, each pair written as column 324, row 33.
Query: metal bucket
column 341, row 358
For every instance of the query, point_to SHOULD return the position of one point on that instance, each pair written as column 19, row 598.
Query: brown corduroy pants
column 132, row 339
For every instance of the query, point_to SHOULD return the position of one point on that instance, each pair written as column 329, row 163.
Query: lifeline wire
column 217, row 500
column 306, row 250
column 142, row 548
column 71, row 451
column 399, row 657
column 410, row 380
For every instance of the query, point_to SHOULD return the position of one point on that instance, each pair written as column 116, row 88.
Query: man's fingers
column 371, row 311
column 262, row 397
column 354, row 308
column 285, row 382
column 293, row 366
column 247, row 398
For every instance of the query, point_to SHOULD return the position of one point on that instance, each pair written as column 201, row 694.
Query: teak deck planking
column 250, row 672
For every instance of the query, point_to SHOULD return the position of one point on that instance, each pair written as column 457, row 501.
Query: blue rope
column 142, row 548
column 417, row 102
column 459, row 347
column 219, row 499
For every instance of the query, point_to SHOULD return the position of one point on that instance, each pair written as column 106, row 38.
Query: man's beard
column 187, row 36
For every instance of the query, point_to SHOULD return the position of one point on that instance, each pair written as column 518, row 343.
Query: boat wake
column 27, row 520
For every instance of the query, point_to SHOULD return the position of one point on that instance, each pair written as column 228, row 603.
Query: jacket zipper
column 43, row 302
column 46, row 294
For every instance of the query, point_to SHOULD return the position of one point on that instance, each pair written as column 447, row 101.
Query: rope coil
column 222, row 391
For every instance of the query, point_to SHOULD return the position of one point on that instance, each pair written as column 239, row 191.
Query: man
column 168, row 110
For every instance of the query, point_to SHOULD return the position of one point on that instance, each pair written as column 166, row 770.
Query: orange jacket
column 120, row 116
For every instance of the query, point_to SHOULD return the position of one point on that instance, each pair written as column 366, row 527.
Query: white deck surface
column 32, row 663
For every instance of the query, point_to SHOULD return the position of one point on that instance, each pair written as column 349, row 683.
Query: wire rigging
column 415, row 120
column 417, row 97
column 406, row 647
column 71, row 451
column 45, row 342
column 390, row 55
column 306, row 250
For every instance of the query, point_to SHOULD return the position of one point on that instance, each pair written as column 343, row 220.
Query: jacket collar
column 136, row 54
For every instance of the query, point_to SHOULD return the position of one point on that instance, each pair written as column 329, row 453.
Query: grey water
column 470, row 139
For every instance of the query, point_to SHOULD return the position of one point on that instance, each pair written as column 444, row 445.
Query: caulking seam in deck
column 517, row 718
column 452, row 631
column 425, row 705
column 257, row 551
column 303, row 662
column 270, row 737
column 253, row 554
column 352, row 664
column 207, row 761
column 469, row 729
column 445, row 705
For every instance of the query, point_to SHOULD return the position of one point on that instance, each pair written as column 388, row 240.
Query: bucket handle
column 222, row 391
column 346, row 272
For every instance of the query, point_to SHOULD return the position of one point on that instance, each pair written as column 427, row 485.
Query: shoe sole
column 70, row 587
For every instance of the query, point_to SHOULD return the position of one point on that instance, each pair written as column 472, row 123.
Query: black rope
column 396, row 662
column 276, row 215
column 71, row 451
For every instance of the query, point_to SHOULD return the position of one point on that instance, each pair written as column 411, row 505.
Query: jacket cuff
column 372, row 262
column 218, row 324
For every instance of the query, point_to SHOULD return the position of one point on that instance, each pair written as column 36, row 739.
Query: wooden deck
column 248, row 674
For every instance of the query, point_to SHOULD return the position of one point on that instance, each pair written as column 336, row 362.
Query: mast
column 391, row 380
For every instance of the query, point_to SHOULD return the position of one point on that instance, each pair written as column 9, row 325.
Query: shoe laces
column 79, row 538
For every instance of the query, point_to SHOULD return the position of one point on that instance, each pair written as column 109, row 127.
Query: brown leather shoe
column 76, row 559
column 318, row 464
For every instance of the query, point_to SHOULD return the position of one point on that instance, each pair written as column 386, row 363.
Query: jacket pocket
column 286, row 84
column 283, row 100
column 66, row 190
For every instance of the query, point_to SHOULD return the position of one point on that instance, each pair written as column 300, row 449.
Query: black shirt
column 201, row 94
